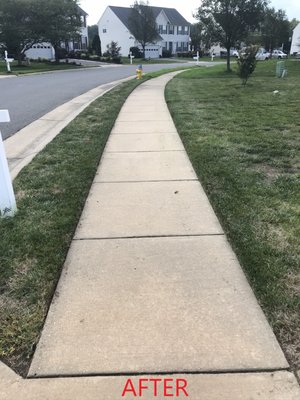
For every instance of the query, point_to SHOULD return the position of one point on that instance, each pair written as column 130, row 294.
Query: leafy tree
column 142, row 24
column 61, row 20
column 201, row 37
column 113, row 50
column 92, row 32
column 96, row 45
column 275, row 29
column 19, row 26
column 230, row 21
column 247, row 63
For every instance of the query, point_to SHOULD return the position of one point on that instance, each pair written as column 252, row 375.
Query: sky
column 186, row 8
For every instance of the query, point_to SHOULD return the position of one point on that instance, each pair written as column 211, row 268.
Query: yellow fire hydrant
column 139, row 72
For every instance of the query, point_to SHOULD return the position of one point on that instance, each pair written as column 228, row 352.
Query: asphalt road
column 29, row 97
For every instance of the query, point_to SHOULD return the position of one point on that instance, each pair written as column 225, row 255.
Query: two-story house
column 173, row 29
column 295, row 45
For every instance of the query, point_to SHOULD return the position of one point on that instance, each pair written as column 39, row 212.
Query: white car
column 279, row 54
column 234, row 53
column 262, row 55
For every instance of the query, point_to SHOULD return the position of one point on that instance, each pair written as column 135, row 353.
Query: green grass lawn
column 244, row 143
column 34, row 67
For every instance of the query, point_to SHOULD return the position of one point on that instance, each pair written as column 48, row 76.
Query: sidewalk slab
column 124, row 116
column 131, row 167
column 147, row 209
column 154, row 305
column 151, row 142
column 142, row 127
column 264, row 386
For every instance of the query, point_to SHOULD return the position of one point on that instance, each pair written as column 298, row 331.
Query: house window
column 186, row 30
column 104, row 30
column 171, row 29
column 179, row 46
column 179, row 30
column 160, row 28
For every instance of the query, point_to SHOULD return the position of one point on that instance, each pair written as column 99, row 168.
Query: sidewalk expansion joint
column 157, row 373
column 150, row 236
column 145, row 133
column 145, row 151
column 152, row 181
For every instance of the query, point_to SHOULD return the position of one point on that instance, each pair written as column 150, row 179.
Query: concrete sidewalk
column 151, row 285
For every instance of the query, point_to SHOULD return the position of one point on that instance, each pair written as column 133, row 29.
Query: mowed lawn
column 34, row 67
column 244, row 143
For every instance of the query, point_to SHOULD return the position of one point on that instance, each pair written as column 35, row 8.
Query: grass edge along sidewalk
column 50, row 193
column 244, row 145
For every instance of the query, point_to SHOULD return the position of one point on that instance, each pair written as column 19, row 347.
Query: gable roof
column 82, row 12
column 172, row 14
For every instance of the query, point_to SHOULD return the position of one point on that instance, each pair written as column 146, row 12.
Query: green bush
column 166, row 53
column 247, row 63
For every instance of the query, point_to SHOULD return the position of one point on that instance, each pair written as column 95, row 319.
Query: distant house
column 295, row 46
column 46, row 51
column 173, row 29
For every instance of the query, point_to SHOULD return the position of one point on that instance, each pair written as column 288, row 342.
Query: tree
column 61, row 20
column 142, row 25
column 275, row 29
column 96, row 45
column 201, row 37
column 19, row 26
column 92, row 32
column 247, row 63
column 113, row 50
column 230, row 21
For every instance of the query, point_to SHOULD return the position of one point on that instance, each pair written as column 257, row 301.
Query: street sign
column 8, row 205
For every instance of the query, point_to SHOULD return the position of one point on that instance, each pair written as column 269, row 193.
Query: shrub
column 185, row 54
column 61, row 53
column 247, row 63
column 113, row 50
column 166, row 53
column 136, row 52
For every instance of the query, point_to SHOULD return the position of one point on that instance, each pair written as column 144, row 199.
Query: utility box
column 280, row 68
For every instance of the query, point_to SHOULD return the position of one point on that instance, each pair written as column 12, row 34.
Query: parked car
column 262, row 55
column 279, row 54
column 234, row 53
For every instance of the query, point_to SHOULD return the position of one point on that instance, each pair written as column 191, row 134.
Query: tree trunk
column 143, row 47
column 56, row 54
column 228, row 60
column 19, row 58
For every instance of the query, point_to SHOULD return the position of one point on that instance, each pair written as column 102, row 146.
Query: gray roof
column 82, row 12
column 173, row 15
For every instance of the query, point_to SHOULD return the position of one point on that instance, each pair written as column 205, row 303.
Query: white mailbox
column 8, row 205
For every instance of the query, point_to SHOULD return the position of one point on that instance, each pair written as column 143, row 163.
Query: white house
column 46, row 51
column 295, row 46
column 174, row 31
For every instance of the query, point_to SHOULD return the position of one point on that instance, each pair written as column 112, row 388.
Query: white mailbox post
column 8, row 61
column 8, row 205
